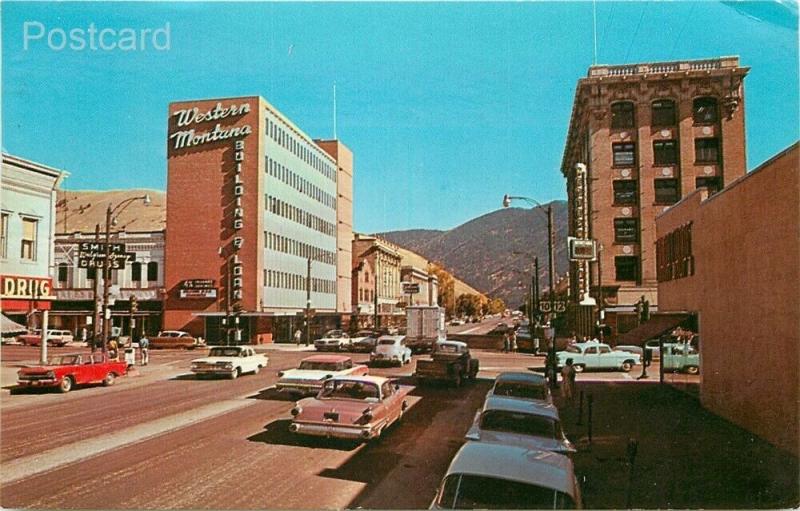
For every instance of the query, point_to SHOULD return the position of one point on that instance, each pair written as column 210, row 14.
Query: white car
column 230, row 361
column 313, row 371
column 391, row 349
column 333, row 340
column 524, row 423
column 493, row 476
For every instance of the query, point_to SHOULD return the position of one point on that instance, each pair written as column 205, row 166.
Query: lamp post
column 308, row 302
column 111, row 217
column 551, row 362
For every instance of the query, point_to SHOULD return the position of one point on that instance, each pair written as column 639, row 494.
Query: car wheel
column 65, row 385
column 693, row 370
column 109, row 379
column 627, row 366
column 579, row 368
column 235, row 373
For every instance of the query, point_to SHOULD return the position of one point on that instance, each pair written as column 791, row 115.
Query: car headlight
column 229, row 364
column 296, row 411
column 51, row 375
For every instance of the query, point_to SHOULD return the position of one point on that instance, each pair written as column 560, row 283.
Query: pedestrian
column 568, row 374
column 512, row 341
column 298, row 336
column 83, row 334
column 113, row 349
column 144, row 349
column 506, row 342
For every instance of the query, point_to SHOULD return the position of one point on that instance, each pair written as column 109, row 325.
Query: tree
column 447, row 287
column 468, row 304
column 496, row 306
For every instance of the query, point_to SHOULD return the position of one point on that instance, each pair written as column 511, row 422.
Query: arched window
column 704, row 110
column 622, row 115
column 663, row 111
column 152, row 271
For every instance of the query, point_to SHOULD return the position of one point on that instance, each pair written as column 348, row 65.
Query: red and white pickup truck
column 66, row 371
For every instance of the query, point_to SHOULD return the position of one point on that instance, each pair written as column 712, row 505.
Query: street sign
column 410, row 288
column 199, row 293
column 582, row 249
column 558, row 306
column 197, row 284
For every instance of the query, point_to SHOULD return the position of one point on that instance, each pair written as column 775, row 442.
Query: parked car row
column 516, row 457
column 597, row 355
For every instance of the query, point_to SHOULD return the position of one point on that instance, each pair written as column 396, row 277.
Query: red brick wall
column 200, row 204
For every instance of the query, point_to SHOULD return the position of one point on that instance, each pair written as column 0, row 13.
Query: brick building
column 258, row 214
column 648, row 134
column 733, row 259
column 376, row 281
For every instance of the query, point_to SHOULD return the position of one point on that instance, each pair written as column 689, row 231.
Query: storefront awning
column 659, row 324
column 9, row 327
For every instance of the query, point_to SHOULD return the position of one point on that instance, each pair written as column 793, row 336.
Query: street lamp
column 111, row 219
column 551, row 362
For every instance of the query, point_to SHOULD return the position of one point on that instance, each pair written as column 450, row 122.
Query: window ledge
column 666, row 203
column 625, row 204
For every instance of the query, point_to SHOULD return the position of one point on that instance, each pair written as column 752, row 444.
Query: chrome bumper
column 334, row 430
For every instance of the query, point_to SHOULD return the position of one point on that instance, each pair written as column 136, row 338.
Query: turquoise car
column 597, row 355
column 680, row 357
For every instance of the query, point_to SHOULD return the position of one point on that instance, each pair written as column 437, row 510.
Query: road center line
column 28, row 466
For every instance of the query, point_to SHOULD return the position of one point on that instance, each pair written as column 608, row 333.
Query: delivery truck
column 424, row 326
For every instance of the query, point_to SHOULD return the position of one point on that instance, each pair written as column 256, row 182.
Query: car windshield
column 523, row 390
column 344, row 389
column 572, row 349
column 514, row 422
column 64, row 360
column 224, row 352
column 310, row 365
column 333, row 333
column 447, row 348
column 386, row 342
column 466, row 491
column 364, row 333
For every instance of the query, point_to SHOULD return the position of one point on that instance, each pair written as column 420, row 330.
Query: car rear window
column 309, row 365
column 515, row 422
column 466, row 491
column 386, row 342
column 522, row 390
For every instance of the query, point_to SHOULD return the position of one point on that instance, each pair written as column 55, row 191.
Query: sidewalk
column 687, row 457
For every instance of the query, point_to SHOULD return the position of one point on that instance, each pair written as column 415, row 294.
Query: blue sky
column 447, row 106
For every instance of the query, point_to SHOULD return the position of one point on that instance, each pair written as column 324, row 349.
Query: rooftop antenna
column 334, row 110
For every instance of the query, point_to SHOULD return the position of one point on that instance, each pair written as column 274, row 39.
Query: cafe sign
column 26, row 288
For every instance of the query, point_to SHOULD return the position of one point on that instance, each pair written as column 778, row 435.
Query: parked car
column 597, row 355
column 312, row 372
column 680, row 357
column 364, row 341
column 449, row 361
column 333, row 340
column 229, row 361
column 391, row 349
column 510, row 421
column 456, row 322
column 521, row 385
column 491, row 476
column 54, row 338
column 351, row 407
column 173, row 339
column 66, row 371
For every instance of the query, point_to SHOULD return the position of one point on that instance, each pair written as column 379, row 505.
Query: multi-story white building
column 28, row 193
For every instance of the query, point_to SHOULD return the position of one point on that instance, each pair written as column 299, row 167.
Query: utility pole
column 551, row 264
column 375, row 294
column 95, row 293
column 106, row 278
column 308, row 303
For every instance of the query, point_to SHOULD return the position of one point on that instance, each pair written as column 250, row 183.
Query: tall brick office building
column 258, row 213
column 648, row 134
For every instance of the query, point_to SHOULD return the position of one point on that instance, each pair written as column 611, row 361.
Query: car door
column 590, row 357
column 605, row 359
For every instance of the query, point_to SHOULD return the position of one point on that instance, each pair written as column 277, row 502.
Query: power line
column 680, row 33
column 635, row 33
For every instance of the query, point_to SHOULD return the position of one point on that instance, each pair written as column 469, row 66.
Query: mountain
column 494, row 252
column 81, row 210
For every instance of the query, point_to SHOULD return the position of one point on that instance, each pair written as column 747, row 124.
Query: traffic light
column 134, row 304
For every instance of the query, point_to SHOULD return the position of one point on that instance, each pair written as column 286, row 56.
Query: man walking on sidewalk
column 568, row 375
column 144, row 347
column 298, row 336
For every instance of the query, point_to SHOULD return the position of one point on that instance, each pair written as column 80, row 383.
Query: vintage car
column 680, row 357
column 313, row 371
column 229, row 361
column 390, row 349
column 490, row 476
column 333, row 340
column 597, row 355
column 54, row 338
column 351, row 407
column 364, row 341
column 66, row 371
column 511, row 421
column 449, row 361
column 173, row 339
column 521, row 385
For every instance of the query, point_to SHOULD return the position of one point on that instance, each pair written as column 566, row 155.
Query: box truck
column 424, row 326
